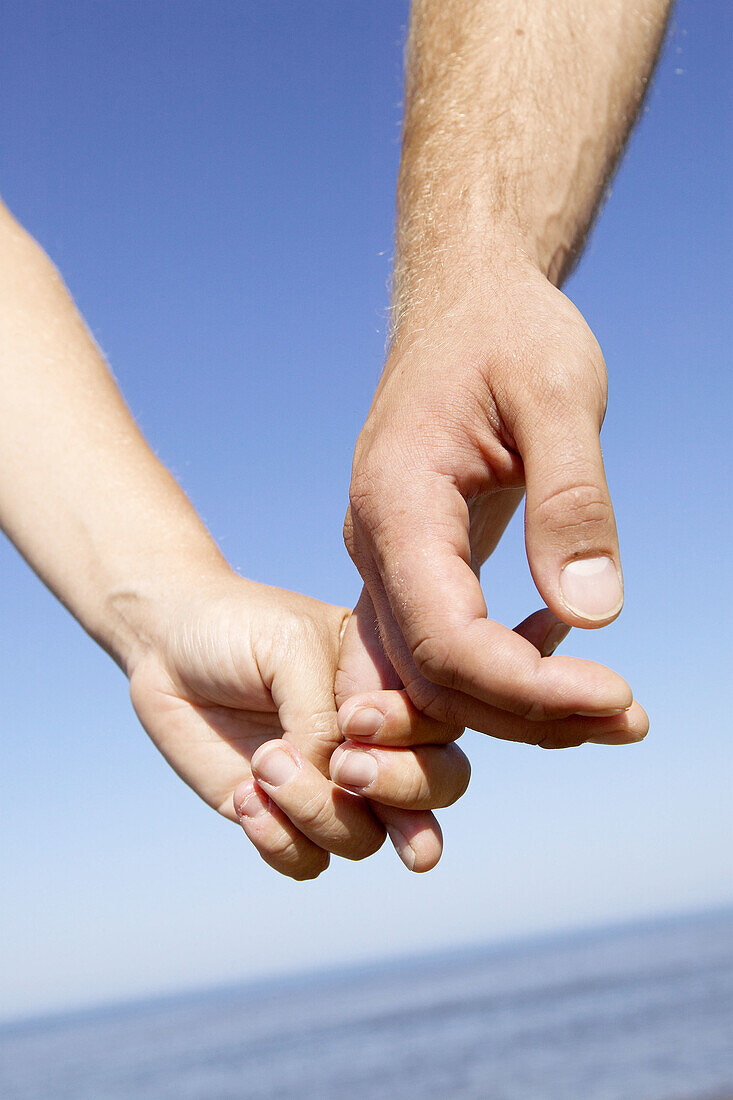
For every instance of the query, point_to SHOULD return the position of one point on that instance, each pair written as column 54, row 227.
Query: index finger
column 364, row 667
column 391, row 718
column 422, row 556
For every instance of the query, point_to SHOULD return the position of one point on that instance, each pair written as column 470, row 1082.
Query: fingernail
column 254, row 804
column 591, row 587
column 276, row 767
column 555, row 635
column 363, row 722
column 401, row 846
column 355, row 769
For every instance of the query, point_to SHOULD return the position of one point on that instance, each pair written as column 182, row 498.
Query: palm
column 214, row 692
column 209, row 745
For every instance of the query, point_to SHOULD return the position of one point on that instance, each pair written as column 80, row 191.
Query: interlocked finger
column 324, row 813
column 423, row 778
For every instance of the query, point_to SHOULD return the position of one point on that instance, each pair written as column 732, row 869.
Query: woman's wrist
column 136, row 610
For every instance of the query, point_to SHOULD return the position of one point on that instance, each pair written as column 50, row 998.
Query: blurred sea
column 640, row 1012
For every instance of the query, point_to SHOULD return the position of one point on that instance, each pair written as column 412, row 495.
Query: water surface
column 633, row 1013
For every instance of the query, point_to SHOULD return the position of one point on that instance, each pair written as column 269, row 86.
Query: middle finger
column 423, row 778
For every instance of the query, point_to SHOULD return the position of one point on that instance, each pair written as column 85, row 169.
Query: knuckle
column 449, row 708
column 451, row 727
column 440, row 705
column 363, row 492
column 425, row 696
column 561, row 737
column 558, row 387
column 462, row 769
column 288, row 633
column 314, row 813
column 348, row 533
column 280, row 848
column 574, row 373
column 365, row 846
column 413, row 788
column 307, row 869
column 533, row 713
column 434, row 658
column 346, row 684
column 282, row 854
column 551, row 743
column 323, row 737
column 377, row 511
column 286, row 856
column 582, row 509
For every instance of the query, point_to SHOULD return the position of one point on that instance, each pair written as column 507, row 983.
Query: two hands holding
column 321, row 730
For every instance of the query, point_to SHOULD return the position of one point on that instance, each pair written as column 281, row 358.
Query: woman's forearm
column 83, row 498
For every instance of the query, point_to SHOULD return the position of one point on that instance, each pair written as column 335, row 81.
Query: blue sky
column 215, row 182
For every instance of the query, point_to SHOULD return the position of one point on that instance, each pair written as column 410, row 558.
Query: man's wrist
column 455, row 300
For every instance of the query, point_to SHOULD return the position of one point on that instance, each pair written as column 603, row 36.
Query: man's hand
column 505, row 392
column 516, row 112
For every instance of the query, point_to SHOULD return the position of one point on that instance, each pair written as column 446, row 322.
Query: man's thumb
column 572, row 544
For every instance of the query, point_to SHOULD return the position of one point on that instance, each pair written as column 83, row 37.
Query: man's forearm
column 81, row 495
column 516, row 113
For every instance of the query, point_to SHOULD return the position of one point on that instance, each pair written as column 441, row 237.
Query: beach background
column 215, row 182
column 640, row 1011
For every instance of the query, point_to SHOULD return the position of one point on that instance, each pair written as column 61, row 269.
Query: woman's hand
column 218, row 666
column 236, row 690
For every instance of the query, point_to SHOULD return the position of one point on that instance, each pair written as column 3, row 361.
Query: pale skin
column 231, row 679
column 516, row 112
